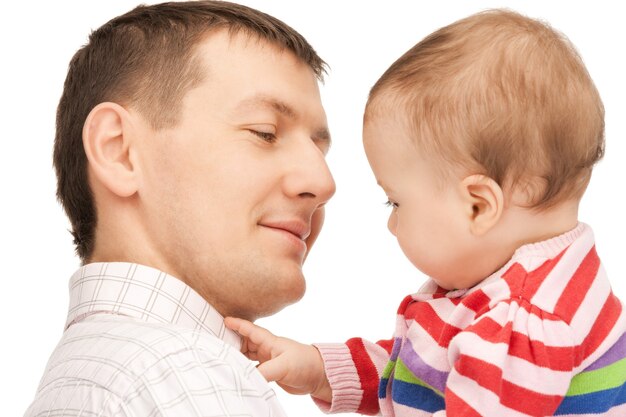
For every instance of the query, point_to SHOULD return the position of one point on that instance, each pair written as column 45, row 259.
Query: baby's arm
column 344, row 377
column 296, row 367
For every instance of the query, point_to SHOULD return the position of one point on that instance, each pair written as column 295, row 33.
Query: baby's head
column 483, row 136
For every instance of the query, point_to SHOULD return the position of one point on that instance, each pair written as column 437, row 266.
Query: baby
column 483, row 136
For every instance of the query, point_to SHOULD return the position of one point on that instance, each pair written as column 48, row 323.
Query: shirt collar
column 145, row 294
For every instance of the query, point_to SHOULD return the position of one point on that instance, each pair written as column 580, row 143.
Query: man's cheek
column 317, row 220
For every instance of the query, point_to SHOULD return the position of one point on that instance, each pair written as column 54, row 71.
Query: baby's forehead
column 386, row 123
column 387, row 108
column 398, row 113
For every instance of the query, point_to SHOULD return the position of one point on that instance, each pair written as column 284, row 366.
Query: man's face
column 232, row 195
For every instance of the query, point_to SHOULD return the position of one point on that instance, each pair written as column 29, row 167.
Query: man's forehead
column 234, row 38
column 239, row 56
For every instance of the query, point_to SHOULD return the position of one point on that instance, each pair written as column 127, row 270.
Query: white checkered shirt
column 141, row 343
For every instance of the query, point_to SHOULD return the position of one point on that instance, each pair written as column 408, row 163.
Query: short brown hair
column 504, row 95
column 145, row 58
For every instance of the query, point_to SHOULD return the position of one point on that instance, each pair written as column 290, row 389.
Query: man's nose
column 309, row 175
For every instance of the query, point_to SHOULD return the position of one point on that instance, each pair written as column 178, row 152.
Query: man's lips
column 298, row 228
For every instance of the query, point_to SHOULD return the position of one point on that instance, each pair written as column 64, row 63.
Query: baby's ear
column 484, row 202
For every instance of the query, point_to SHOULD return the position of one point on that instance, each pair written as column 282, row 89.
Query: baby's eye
column 391, row 204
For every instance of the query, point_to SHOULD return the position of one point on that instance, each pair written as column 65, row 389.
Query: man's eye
column 391, row 204
column 266, row 136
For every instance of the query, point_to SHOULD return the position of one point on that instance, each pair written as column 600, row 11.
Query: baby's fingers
column 273, row 370
column 255, row 334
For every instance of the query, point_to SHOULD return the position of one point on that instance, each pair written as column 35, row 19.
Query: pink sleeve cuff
column 343, row 378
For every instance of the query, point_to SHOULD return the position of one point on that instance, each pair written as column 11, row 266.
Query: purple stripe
column 395, row 349
column 617, row 352
column 433, row 377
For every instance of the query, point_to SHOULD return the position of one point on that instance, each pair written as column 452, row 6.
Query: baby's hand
column 296, row 367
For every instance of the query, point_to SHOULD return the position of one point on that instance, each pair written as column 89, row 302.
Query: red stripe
column 485, row 374
column 525, row 284
column 491, row 331
column 578, row 286
column 425, row 315
column 404, row 304
column 550, row 357
column 521, row 346
column 511, row 395
column 368, row 376
column 601, row 327
column 386, row 344
column 486, row 327
column 527, row 401
column 440, row 292
column 514, row 277
column 556, row 358
column 478, row 302
column 537, row 276
column 456, row 407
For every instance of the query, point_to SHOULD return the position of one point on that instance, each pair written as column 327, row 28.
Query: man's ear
column 107, row 135
column 484, row 200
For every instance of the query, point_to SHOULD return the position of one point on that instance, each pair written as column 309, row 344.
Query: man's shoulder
column 117, row 363
column 115, row 352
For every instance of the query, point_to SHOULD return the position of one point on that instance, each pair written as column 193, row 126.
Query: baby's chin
column 452, row 284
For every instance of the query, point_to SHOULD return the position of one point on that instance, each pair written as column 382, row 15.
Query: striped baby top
column 542, row 336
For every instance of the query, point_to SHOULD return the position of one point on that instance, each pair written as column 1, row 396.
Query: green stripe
column 388, row 369
column 609, row 377
column 402, row 373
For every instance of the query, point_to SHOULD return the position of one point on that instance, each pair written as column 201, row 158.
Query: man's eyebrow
column 269, row 102
column 323, row 135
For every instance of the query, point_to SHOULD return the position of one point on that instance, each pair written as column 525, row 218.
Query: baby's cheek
column 415, row 252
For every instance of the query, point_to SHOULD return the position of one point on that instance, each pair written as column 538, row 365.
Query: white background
column 356, row 273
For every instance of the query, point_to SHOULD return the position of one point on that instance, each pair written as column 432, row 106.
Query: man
column 190, row 156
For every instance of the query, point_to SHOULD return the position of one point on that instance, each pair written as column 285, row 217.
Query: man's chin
column 276, row 299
